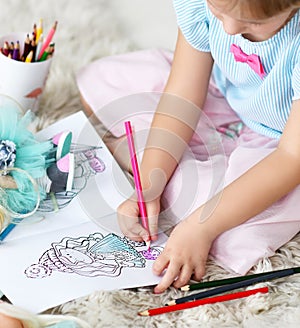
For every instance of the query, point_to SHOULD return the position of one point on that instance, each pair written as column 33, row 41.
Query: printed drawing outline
column 92, row 256
column 88, row 163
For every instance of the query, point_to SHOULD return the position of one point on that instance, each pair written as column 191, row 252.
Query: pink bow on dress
column 252, row 60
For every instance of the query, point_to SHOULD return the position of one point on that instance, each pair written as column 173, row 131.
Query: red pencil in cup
column 5, row 49
column 47, row 40
column 137, row 179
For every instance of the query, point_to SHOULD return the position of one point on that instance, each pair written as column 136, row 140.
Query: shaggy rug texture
column 88, row 30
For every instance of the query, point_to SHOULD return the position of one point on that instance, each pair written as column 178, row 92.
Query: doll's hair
column 2, row 218
column 258, row 9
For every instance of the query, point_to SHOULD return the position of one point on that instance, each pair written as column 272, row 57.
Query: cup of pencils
column 25, row 61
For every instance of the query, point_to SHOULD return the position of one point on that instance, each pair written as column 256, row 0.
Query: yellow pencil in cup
column 29, row 57
column 39, row 30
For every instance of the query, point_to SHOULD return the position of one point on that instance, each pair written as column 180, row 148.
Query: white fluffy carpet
column 87, row 30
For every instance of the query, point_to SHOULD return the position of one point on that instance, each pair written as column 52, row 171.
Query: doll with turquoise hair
column 25, row 161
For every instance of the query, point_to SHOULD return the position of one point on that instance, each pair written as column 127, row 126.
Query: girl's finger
column 172, row 272
column 184, row 276
column 153, row 225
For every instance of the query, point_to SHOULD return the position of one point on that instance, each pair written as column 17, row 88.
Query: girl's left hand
column 185, row 255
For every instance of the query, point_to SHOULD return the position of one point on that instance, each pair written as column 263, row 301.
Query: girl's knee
column 86, row 107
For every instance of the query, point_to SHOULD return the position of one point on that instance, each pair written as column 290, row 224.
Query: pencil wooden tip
column 185, row 288
column 171, row 303
column 144, row 313
column 148, row 243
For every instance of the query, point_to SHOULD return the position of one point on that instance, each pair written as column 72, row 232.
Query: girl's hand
column 130, row 224
column 185, row 255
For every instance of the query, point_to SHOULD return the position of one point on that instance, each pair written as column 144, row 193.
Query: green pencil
column 227, row 281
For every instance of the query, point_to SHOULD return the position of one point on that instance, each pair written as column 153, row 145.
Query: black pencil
column 236, row 285
column 227, row 281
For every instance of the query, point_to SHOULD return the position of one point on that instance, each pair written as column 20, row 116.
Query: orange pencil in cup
column 137, row 179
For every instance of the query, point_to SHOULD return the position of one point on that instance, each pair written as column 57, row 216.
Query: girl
column 238, row 61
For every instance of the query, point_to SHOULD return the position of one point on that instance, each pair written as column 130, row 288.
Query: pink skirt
column 128, row 87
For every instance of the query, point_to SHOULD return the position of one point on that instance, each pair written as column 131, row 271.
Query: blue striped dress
column 263, row 104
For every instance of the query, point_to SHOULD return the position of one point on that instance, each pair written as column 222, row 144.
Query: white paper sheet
column 77, row 250
column 47, row 270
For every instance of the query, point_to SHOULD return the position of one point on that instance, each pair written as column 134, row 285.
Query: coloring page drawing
column 94, row 255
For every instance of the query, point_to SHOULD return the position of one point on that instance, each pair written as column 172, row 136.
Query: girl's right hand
column 130, row 223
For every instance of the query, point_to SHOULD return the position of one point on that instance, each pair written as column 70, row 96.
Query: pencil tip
column 170, row 303
column 144, row 313
column 185, row 288
column 148, row 243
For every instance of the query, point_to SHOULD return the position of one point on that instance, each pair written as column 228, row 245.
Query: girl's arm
column 177, row 114
column 173, row 125
column 262, row 185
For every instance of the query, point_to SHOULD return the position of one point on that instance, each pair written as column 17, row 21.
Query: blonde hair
column 2, row 218
column 259, row 9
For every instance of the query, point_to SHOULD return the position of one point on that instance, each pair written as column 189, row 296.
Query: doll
column 29, row 169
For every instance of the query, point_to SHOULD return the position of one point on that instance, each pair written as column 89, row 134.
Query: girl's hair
column 259, row 9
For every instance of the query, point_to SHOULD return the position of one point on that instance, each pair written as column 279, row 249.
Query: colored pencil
column 212, row 300
column 38, row 47
column 236, row 285
column 27, row 44
column 29, row 57
column 228, row 281
column 39, row 30
column 6, row 231
column 16, row 51
column 48, row 39
column 137, row 179
column 5, row 49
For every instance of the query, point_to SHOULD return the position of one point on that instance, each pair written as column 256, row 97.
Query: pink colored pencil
column 136, row 176
column 47, row 40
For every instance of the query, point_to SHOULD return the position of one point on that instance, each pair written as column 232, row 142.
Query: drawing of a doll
column 91, row 256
